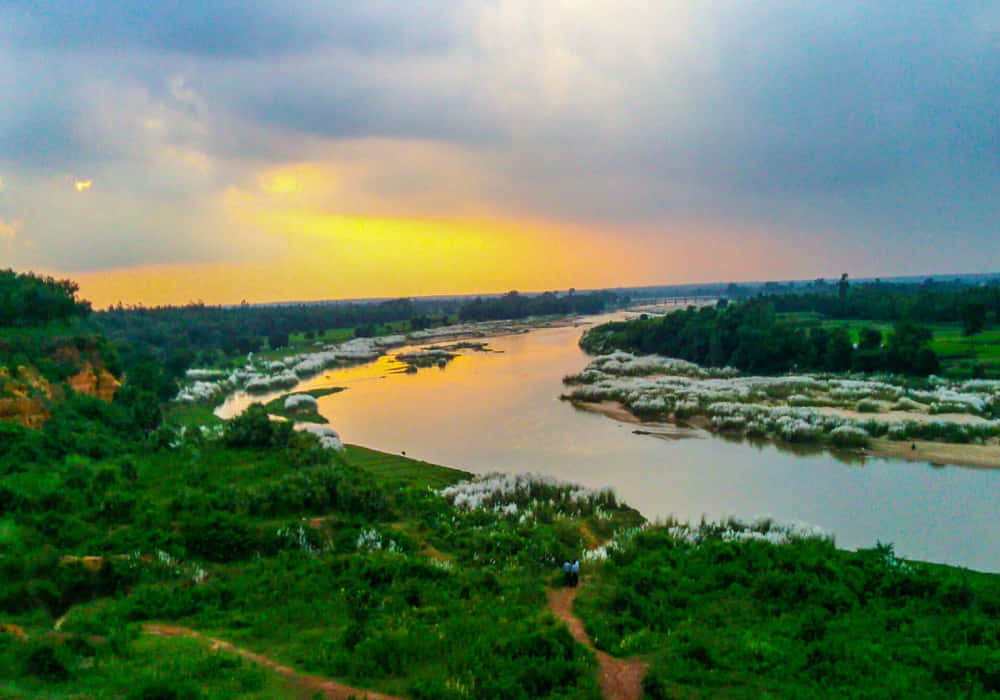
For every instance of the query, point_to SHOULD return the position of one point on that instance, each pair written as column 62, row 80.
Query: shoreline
column 935, row 454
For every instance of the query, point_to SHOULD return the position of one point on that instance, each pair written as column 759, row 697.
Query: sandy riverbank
column 664, row 431
column 936, row 453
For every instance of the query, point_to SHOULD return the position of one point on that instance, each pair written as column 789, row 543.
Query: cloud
column 9, row 230
column 840, row 133
column 223, row 29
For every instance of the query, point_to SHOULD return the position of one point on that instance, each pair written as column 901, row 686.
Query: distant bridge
column 677, row 300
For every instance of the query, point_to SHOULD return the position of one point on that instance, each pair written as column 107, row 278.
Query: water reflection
column 500, row 411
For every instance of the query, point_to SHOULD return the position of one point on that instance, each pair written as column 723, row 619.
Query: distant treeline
column 927, row 302
column 181, row 335
column 514, row 305
column 752, row 337
column 27, row 299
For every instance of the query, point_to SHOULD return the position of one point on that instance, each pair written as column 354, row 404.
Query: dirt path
column 621, row 679
column 332, row 690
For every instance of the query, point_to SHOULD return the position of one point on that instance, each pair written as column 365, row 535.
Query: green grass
column 751, row 619
column 278, row 533
column 190, row 415
column 958, row 354
column 396, row 470
column 138, row 668
column 349, row 565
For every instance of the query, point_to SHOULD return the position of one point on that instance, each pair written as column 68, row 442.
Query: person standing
column 575, row 572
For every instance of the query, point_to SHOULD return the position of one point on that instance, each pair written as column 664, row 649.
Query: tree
column 906, row 347
column 839, row 349
column 254, row 428
column 277, row 339
column 870, row 339
column 869, row 356
column 842, row 287
column 973, row 318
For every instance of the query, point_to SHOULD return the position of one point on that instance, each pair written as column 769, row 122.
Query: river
column 500, row 411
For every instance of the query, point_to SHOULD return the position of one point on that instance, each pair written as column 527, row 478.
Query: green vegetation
column 343, row 565
column 752, row 337
column 388, row 573
column 27, row 299
column 180, row 337
column 306, row 414
column 724, row 615
column 960, row 316
column 514, row 305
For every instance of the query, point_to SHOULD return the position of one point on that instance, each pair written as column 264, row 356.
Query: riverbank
column 268, row 375
column 922, row 451
column 861, row 414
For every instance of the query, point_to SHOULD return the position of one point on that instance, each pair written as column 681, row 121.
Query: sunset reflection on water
column 500, row 411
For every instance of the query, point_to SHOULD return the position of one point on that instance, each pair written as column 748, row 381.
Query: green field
column 958, row 354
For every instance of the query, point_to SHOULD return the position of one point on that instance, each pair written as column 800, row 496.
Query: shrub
column 254, row 428
column 220, row 537
column 47, row 661
column 849, row 436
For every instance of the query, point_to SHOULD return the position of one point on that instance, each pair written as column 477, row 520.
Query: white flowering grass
column 297, row 537
column 849, row 436
column 762, row 529
column 299, row 402
column 519, row 495
column 328, row 437
column 371, row 540
column 786, row 407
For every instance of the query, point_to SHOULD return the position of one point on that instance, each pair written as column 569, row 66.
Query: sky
column 221, row 150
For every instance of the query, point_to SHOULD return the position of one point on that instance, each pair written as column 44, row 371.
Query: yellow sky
column 335, row 257
column 311, row 231
column 295, row 245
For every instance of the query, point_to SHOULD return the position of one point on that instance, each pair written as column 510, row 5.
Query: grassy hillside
column 347, row 565
column 725, row 614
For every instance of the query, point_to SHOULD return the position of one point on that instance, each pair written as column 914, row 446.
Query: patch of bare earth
column 310, row 685
column 939, row 453
column 621, row 679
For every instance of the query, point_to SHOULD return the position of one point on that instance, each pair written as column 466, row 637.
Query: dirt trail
column 621, row 679
column 332, row 690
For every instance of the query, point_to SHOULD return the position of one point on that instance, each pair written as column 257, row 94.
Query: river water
column 500, row 411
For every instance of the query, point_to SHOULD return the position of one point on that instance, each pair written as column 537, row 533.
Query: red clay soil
column 621, row 679
column 332, row 690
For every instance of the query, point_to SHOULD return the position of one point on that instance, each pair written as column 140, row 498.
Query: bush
column 254, row 428
column 849, row 436
column 47, row 661
column 220, row 537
